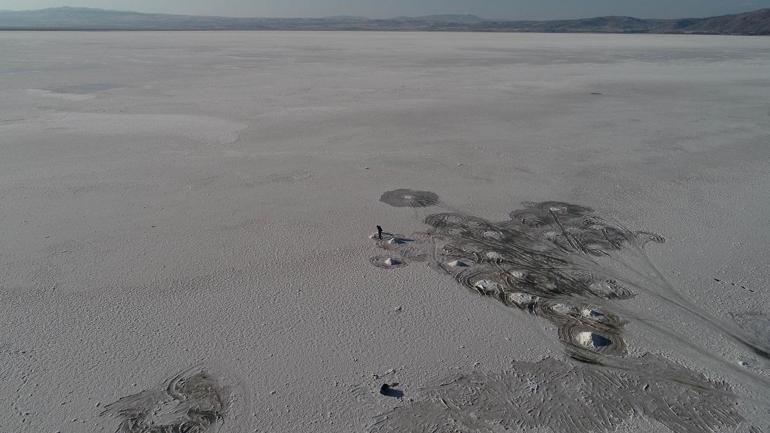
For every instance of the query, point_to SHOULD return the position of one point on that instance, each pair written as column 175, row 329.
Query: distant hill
column 67, row 18
column 751, row 23
column 448, row 19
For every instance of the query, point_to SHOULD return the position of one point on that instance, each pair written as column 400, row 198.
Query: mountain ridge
column 76, row 18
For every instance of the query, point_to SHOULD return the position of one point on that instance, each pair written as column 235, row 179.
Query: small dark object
column 390, row 391
column 379, row 232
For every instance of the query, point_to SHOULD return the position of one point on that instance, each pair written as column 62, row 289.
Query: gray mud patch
column 409, row 198
column 569, row 398
column 567, row 264
column 535, row 262
column 191, row 402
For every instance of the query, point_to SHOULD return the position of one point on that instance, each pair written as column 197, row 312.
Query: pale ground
column 173, row 199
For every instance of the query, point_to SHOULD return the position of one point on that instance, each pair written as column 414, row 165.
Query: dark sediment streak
column 757, row 325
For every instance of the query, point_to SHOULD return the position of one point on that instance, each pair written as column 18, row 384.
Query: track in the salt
column 193, row 401
column 569, row 398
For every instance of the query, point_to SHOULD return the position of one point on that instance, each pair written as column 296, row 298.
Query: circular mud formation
column 409, row 198
column 539, row 261
column 452, row 220
column 610, row 289
column 388, row 262
column 401, row 246
column 590, row 344
column 391, row 241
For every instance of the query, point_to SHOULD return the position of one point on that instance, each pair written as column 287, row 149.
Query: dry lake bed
column 574, row 232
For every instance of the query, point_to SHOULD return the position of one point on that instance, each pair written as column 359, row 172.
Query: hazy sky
column 513, row 9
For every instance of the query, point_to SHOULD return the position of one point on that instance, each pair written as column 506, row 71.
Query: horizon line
column 343, row 15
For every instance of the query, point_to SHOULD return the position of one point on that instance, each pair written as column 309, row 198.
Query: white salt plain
column 172, row 200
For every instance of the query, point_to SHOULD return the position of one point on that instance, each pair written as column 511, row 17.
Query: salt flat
column 177, row 201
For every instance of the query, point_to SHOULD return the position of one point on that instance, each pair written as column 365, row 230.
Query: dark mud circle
column 409, row 198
